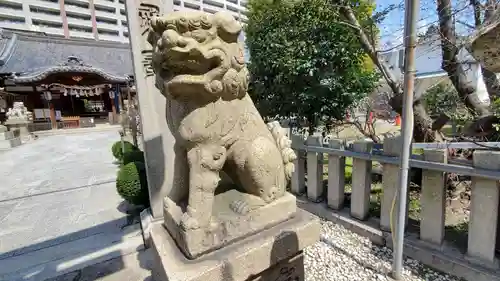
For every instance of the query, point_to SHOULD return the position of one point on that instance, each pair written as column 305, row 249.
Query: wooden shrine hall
column 65, row 82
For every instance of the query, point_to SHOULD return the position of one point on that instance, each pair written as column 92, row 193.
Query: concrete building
column 103, row 20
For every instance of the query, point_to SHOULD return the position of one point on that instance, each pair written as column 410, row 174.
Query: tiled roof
column 32, row 55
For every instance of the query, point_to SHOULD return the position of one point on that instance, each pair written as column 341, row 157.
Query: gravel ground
column 343, row 255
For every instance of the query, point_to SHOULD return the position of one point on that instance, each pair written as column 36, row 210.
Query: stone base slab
column 267, row 255
column 10, row 143
column 6, row 135
column 21, row 127
column 231, row 226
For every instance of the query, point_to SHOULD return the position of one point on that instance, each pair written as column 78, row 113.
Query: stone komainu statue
column 199, row 62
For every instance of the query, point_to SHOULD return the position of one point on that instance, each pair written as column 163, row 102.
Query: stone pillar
column 484, row 210
column 361, row 181
column 298, row 185
column 433, row 199
column 163, row 160
column 314, row 170
column 336, row 180
column 392, row 147
column 7, row 139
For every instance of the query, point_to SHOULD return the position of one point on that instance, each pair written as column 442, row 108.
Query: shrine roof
column 32, row 57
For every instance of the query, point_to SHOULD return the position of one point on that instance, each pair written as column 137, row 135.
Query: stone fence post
column 484, row 210
column 392, row 147
column 433, row 199
column 298, row 186
column 314, row 170
column 336, row 177
column 361, row 181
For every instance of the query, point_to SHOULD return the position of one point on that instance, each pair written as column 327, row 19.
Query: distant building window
column 192, row 6
column 41, row 23
column 10, row 5
column 125, row 34
column 107, row 32
column 123, row 12
column 104, row 9
column 77, row 16
column 4, row 18
column 79, row 28
column 213, row 3
column 232, row 8
column 76, row 4
column 104, row 20
column 124, row 23
column 209, row 10
column 39, row 10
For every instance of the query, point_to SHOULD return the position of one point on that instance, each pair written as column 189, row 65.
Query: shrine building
column 64, row 82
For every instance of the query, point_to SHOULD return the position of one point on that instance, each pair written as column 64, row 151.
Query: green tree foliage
column 132, row 185
column 116, row 149
column 444, row 99
column 133, row 156
column 305, row 61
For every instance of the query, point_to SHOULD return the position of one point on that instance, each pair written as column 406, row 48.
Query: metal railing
column 484, row 171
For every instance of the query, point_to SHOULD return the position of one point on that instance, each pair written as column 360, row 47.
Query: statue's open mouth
column 193, row 63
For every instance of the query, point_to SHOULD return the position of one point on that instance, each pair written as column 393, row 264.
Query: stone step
column 132, row 267
column 62, row 258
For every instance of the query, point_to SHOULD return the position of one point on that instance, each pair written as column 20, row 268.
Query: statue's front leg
column 205, row 163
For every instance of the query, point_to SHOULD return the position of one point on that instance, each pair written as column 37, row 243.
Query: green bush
column 131, row 183
column 116, row 149
column 133, row 156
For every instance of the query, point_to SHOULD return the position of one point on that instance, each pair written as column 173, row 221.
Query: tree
column 422, row 130
column 443, row 99
column 305, row 62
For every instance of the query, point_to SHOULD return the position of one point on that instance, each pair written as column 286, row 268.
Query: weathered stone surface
column 6, row 135
column 18, row 113
column 10, row 143
column 231, row 225
column 199, row 64
column 259, row 257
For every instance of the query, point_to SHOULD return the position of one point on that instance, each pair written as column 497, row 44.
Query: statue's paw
column 241, row 207
column 188, row 222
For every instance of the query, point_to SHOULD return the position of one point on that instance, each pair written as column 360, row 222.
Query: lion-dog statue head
column 198, row 55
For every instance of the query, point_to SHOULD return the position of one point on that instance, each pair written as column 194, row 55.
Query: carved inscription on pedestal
column 291, row 269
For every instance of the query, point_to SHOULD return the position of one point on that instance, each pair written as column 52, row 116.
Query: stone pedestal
column 7, row 139
column 272, row 254
column 22, row 126
column 230, row 225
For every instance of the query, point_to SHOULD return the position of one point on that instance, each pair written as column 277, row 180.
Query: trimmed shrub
column 131, row 183
column 116, row 149
column 133, row 156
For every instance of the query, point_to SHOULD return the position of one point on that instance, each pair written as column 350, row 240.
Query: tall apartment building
column 103, row 20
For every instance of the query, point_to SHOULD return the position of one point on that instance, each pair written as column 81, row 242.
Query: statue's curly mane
column 199, row 50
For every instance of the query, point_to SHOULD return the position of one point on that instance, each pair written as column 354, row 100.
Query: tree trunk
column 489, row 77
column 451, row 63
column 422, row 131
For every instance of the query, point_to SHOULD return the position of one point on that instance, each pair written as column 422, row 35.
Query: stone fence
column 478, row 262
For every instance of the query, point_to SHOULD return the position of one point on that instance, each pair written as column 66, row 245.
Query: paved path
column 56, row 189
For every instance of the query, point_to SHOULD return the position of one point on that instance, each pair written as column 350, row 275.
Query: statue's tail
column 284, row 145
